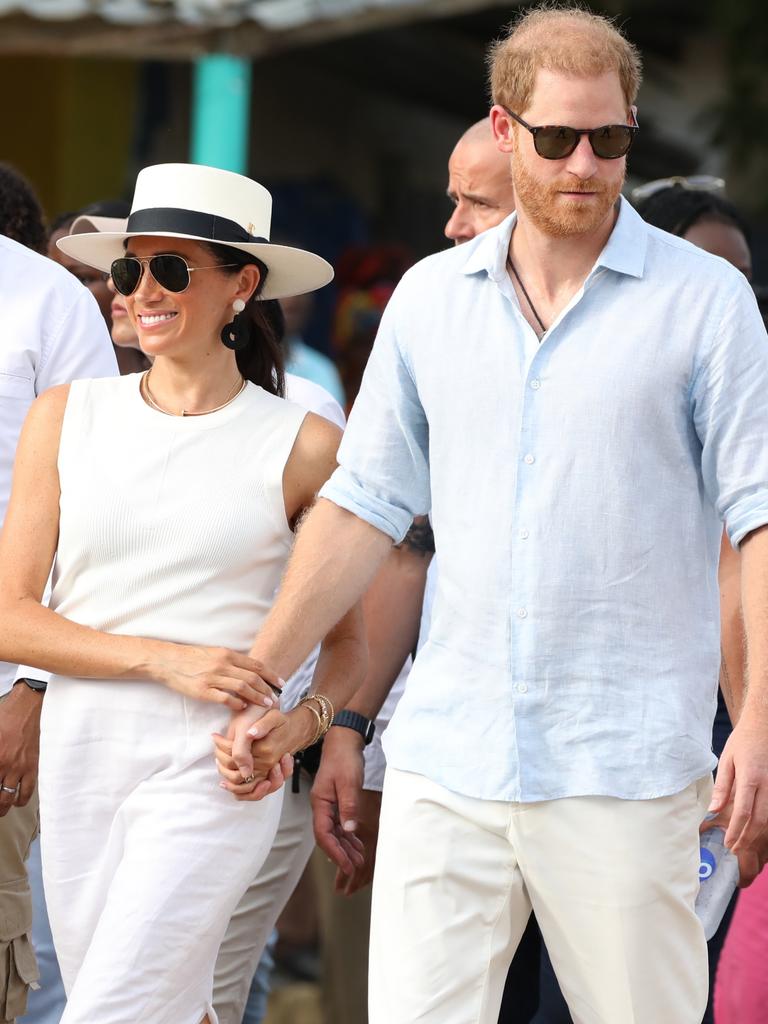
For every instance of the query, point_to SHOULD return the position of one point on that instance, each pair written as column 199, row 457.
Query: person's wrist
column 353, row 721
column 27, row 694
column 338, row 736
column 306, row 727
column 151, row 660
column 755, row 712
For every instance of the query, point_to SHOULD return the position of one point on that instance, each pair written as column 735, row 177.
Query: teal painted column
column 220, row 111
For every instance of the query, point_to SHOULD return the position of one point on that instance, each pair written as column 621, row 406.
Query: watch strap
column 358, row 722
column 38, row 685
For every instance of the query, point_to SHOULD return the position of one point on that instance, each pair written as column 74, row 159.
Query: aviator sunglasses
column 169, row 270
column 557, row 141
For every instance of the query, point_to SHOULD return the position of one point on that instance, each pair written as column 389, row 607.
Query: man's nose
column 582, row 162
column 459, row 226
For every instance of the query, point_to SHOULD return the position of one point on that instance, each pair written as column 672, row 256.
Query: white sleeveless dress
column 171, row 528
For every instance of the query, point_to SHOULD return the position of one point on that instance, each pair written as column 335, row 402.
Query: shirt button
column 529, row 459
column 522, row 688
column 535, row 383
column 524, row 535
column 522, row 613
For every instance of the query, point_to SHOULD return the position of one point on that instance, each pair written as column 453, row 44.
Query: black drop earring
column 235, row 334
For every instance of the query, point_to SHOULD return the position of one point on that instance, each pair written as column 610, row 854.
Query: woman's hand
column 214, row 674
column 259, row 747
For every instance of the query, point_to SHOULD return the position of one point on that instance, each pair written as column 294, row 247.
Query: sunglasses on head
column 693, row 183
column 169, row 270
column 557, row 141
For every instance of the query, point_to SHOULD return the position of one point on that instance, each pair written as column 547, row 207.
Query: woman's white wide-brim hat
column 205, row 204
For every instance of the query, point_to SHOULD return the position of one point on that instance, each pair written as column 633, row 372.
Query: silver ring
column 7, row 789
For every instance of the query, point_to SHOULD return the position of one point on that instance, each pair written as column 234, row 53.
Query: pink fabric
column 741, row 987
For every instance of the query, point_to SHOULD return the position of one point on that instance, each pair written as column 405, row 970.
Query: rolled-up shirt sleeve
column 730, row 409
column 383, row 474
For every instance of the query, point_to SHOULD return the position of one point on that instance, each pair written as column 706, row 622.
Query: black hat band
column 189, row 222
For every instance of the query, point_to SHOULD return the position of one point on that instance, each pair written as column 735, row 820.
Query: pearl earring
column 235, row 335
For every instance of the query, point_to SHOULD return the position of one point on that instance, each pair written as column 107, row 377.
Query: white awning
column 184, row 28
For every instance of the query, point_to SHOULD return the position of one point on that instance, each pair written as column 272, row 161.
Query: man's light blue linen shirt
column 577, row 490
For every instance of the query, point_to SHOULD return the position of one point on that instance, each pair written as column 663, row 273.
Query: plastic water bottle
column 718, row 877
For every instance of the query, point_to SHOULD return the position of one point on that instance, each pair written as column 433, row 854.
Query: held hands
column 740, row 796
column 215, row 674
column 258, row 747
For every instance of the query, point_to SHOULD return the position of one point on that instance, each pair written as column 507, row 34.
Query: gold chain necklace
column 150, row 398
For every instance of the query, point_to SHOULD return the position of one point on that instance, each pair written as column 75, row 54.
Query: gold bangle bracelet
column 316, row 713
column 324, row 711
column 326, row 706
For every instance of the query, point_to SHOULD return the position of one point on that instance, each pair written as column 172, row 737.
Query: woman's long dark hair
column 261, row 360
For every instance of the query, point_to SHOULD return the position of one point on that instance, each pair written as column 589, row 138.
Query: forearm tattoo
column 420, row 538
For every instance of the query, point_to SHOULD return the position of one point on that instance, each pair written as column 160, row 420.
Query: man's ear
column 503, row 129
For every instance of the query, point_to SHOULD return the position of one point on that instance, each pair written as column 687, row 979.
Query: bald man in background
column 479, row 184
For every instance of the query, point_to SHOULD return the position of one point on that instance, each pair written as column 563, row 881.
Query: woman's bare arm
column 32, row 634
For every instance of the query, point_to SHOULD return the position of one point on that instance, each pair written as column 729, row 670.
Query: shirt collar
column 624, row 251
column 488, row 251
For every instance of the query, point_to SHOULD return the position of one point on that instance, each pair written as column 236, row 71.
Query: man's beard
column 554, row 214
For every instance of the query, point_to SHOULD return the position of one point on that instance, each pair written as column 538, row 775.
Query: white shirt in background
column 51, row 332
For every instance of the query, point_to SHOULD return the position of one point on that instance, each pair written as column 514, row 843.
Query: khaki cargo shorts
column 18, row 967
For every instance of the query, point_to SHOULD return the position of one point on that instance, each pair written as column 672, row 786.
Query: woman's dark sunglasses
column 170, row 271
column 555, row 141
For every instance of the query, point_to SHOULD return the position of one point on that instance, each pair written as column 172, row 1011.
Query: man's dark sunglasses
column 556, row 141
column 169, row 270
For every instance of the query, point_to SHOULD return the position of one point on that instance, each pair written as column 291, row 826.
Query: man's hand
column 742, row 782
column 369, row 810
column 335, row 801
column 19, row 746
column 259, row 747
column 751, row 861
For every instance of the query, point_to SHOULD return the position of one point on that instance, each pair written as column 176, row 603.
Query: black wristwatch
column 38, row 685
column 361, row 724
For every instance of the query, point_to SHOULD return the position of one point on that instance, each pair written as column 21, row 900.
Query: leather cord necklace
column 539, row 321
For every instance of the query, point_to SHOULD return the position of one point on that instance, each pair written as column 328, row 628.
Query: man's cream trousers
column 613, row 884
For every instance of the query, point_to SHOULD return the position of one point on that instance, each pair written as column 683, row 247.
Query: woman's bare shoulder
column 46, row 414
column 319, row 437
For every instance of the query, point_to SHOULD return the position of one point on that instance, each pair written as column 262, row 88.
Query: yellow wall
column 68, row 125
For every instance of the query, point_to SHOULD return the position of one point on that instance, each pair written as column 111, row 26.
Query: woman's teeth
column 155, row 318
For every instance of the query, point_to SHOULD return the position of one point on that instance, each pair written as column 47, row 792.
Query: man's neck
column 552, row 264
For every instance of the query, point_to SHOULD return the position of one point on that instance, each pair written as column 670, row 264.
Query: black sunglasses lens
column 554, row 142
column 170, row 272
column 126, row 274
column 611, row 141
